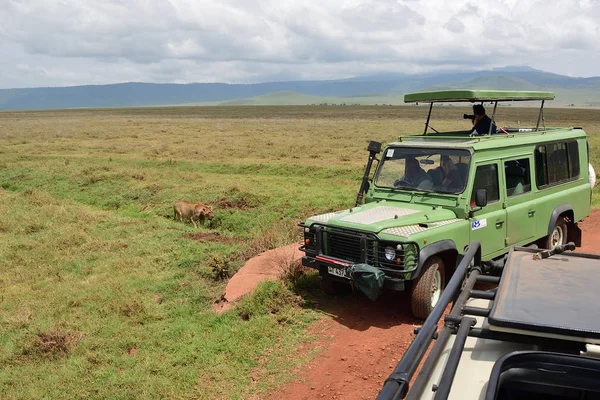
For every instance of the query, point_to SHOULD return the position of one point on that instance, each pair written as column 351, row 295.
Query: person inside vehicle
column 481, row 122
column 451, row 179
column 414, row 175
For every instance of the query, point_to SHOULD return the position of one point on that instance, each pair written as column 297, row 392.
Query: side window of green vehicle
column 486, row 177
column 556, row 163
column 517, row 174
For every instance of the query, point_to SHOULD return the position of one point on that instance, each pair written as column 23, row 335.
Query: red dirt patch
column 363, row 342
column 267, row 265
column 209, row 237
column 590, row 233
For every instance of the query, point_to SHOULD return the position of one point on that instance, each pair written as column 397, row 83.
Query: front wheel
column 558, row 237
column 428, row 288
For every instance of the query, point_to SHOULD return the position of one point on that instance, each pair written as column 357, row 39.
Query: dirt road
column 364, row 341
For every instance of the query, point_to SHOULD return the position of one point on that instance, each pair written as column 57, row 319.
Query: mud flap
column 574, row 234
column 368, row 279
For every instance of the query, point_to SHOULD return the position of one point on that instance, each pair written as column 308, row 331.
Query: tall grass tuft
column 269, row 298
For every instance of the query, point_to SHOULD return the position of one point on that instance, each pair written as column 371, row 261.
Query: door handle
column 531, row 212
column 499, row 224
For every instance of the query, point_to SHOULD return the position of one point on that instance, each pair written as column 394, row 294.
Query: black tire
column 558, row 236
column 426, row 287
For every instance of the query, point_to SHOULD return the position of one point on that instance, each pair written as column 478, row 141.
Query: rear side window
column 486, row 177
column 556, row 163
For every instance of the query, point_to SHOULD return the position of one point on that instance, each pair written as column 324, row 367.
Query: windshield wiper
column 403, row 187
column 447, row 191
column 413, row 189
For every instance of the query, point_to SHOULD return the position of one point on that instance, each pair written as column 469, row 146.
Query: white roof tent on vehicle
column 483, row 96
column 548, row 304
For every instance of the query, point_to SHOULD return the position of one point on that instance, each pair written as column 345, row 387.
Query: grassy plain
column 103, row 295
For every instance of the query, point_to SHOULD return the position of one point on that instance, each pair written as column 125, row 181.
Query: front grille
column 344, row 246
column 358, row 247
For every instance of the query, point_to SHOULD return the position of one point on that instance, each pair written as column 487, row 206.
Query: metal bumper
column 392, row 283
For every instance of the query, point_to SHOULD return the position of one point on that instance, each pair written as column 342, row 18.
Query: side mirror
column 374, row 147
column 480, row 201
column 480, row 198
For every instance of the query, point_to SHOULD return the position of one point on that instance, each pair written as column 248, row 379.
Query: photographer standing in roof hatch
column 481, row 122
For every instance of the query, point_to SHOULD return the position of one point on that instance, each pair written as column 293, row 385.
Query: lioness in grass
column 184, row 210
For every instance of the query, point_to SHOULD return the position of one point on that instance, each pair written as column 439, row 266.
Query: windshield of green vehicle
column 427, row 170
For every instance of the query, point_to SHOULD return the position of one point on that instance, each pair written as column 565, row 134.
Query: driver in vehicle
column 415, row 175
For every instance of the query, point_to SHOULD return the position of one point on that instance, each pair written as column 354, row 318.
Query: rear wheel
column 428, row 288
column 558, row 236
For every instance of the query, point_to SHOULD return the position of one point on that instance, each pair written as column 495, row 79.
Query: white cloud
column 69, row 42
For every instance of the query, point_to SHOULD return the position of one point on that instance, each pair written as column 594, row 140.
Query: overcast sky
column 76, row 42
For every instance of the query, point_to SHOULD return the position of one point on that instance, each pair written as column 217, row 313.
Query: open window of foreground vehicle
column 534, row 336
column 544, row 375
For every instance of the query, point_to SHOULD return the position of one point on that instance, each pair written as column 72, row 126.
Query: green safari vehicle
column 431, row 195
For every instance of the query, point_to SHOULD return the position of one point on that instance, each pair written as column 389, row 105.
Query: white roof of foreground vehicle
column 532, row 336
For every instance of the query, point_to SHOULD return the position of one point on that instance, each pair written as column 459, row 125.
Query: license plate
column 341, row 272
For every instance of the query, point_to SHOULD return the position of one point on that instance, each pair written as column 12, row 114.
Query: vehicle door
column 519, row 200
column 488, row 225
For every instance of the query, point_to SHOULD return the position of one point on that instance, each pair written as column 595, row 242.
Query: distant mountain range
column 374, row 89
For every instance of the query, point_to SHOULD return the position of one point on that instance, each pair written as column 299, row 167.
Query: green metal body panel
column 467, row 95
column 519, row 227
column 426, row 215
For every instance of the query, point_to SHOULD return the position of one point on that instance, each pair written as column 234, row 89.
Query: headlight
column 390, row 253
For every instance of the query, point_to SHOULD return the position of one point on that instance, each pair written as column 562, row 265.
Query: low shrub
column 270, row 297
column 221, row 266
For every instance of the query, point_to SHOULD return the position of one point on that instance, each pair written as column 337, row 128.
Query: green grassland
column 580, row 97
column 103, row 295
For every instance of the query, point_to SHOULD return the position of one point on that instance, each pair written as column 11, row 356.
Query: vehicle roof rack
column 512, row 322
column 469, row 95
column 480, row 95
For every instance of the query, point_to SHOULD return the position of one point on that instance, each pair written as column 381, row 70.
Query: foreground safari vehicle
column 513, row 188
column 534, row 336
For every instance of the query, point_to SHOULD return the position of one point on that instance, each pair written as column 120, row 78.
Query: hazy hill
column 374, row 89
column 286, row 98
